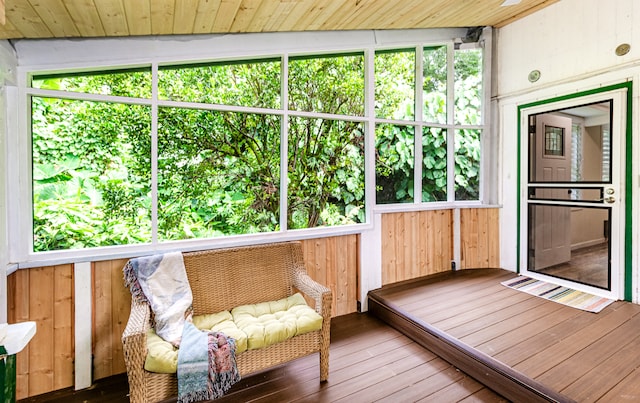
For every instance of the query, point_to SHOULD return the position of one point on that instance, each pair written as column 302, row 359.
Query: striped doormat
column 556, row 293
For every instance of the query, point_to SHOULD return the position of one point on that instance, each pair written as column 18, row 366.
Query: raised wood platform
column 523, row 347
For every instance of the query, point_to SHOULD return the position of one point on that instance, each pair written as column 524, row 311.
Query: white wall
column 572, row 43
column 8, row 64
column 568, row 40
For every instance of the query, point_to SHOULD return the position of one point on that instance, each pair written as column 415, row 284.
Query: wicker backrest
column 222, row 279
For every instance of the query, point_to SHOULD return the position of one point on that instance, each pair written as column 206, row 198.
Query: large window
column 429, row 124
column 196, row 151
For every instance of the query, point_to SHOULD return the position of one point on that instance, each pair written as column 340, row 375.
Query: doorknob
column 610, row 199
column 610, row 191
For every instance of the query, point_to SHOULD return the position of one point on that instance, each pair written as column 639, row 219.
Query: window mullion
column 154, row 153
column 418, row 130
column 487, row 190
column 284, row 143
column 450, row 122
column 370, row 136
column 20, row 225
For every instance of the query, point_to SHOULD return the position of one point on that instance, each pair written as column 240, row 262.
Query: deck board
column 582, row 355
column 609, row 372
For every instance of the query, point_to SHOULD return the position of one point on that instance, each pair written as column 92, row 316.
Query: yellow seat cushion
column 271, row 322
column 252, row 327
column 222, row 322
column 162, row 357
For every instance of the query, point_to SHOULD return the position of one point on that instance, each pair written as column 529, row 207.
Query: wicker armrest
column 323, row 300
column 321, row 294
column 139, row 319
column 134, row 344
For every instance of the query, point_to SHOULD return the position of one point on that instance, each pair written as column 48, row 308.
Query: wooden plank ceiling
column 111, row 18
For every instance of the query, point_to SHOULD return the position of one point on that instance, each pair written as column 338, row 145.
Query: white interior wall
column 8, row 64
column 567, row 41
column 572, row 43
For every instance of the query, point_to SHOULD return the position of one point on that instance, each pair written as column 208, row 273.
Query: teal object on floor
column 7, row 376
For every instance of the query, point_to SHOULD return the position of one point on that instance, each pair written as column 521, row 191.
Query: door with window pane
column 574, row 200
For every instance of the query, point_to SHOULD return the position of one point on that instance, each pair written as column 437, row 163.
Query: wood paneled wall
column 416, row 244
column 479, row 238
column 334, row 262
column 420, row 243
column 111, row 307
column 45, row 295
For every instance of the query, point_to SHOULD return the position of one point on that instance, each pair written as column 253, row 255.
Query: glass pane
column 570, row 243
column 253, row 84
column 571, row 145
column 554, row 141
column 326, row 173
column 91, row 174
column 395, row 84
column 332, row 84
column 467, row 168
column 218, row 173
column 118, row 83
column 434, row 86
column 394, row 163
column 434, row 168
column 468, row 86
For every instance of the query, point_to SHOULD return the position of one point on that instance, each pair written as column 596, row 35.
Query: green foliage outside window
column 394, row 73
column 326, row 173
column 434, row 84
column 251, row 84
column 218, row 173
column 395, row 143
column 326, row 156
column 434, row 162
column 394, row 163
column 91, row 174
column 332, row 84
column 468, row 111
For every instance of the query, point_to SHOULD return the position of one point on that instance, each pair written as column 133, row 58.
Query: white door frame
column 618, row 133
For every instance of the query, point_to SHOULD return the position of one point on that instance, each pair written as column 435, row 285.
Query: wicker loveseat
column 221, row 280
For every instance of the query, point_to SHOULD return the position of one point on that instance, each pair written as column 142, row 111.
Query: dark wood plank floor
column 369, row 361
column 585, row 356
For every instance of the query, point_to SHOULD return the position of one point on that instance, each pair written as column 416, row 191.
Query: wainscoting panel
column 111, row 307
column 416, row 244
column 334, row 262
column 43, row 295
column 479, row 238
column 420, row 243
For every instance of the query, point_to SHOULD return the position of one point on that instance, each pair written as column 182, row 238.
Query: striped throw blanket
column 206, row 360
column 206, row 365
